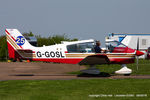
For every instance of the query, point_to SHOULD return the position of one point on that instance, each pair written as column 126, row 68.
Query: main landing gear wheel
column 93, row 72
column 124, row 70
column 127, row 74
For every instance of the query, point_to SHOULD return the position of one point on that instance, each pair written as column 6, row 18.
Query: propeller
column 138, row 53
column 137, row 61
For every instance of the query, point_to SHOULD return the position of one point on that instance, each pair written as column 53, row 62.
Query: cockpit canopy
column 86, row 47
column 115, row 46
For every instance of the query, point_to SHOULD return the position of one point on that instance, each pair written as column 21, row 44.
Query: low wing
column 95, row 59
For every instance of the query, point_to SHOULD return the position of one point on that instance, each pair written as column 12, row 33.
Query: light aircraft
column 75, row 52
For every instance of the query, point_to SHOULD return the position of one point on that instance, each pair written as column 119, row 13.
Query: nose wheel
column 124, row 70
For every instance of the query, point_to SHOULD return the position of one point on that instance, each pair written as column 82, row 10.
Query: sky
column 82, row 19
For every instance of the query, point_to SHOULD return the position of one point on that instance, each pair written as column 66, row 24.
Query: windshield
column 81, row 47
column 112, row 44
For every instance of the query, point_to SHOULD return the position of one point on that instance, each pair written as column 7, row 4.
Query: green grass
column 144, row 68
column 73, row 89
column 80, row 89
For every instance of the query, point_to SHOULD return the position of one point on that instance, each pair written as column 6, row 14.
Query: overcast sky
column 83, row 19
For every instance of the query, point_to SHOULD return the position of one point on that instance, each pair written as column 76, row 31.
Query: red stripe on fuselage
column 77, row 60
column 60, row 60
column 122, row 60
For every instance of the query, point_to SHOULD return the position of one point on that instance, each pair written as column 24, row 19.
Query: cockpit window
column 81, row 47
column 112, row 44
column 72, row 48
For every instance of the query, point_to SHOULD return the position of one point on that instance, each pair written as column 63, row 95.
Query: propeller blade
column 138, row 53
column 137, row 44
column 137, row 63
column 137, row 57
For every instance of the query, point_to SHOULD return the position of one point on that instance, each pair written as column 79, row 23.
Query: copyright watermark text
column 118, row 95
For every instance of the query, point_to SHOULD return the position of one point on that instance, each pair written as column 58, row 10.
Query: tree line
column 51, row 40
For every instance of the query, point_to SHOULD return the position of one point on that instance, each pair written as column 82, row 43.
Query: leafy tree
column 28, row 34
column 3, row 48
column 51, row 40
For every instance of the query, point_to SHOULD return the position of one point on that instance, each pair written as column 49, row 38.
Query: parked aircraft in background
column 76, row 52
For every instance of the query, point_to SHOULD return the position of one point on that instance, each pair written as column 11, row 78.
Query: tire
column 127, row 74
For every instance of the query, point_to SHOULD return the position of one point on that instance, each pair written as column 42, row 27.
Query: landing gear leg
column 124, row 70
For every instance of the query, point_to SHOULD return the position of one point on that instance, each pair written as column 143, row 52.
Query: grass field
column 74, row 89
column 144, row 68
column 77, row 89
